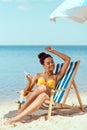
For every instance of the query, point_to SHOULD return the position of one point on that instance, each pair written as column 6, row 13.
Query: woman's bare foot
column 11, row 121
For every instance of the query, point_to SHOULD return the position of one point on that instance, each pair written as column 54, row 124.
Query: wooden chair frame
column 62, row 105
column 67, row 90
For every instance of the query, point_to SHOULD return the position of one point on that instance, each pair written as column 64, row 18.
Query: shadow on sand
column 43, row 113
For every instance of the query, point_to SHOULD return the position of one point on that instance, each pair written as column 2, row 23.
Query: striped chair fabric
column 63, row 84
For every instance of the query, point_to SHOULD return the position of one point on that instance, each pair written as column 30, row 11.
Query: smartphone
column 25, row 73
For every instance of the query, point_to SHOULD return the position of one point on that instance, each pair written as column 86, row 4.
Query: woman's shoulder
column 37, row 75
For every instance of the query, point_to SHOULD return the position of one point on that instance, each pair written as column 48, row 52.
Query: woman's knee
column 41, row 88
column 43, row 96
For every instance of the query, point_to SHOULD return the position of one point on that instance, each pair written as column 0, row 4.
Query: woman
column 45, row 82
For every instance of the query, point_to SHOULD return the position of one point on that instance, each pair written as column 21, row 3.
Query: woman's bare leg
column 32, row 97
column 33, row 107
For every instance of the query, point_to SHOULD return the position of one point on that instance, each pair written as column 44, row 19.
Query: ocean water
column 14, row 60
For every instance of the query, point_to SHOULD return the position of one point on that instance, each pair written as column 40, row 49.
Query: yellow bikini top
column 50, row 83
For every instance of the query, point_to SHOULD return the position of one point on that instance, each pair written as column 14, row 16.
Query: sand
column 64, row 119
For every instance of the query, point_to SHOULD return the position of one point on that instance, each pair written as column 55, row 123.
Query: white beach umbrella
column 74, row 9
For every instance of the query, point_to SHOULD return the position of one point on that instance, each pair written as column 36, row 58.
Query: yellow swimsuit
column 50, row 83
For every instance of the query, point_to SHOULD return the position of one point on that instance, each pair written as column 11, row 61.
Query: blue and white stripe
column 64, row 81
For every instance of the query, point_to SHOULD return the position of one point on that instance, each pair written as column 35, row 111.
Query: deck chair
column 59, row 95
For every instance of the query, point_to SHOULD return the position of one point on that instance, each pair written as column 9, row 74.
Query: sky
column 27, row 22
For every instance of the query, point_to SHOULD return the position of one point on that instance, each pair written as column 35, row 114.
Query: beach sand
column 61, row 120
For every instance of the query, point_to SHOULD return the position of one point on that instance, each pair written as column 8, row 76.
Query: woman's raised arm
column 64, row 57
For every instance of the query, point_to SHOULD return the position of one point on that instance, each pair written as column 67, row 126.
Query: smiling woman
column 45, row 82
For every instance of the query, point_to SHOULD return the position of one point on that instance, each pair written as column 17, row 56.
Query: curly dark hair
column 42, row 56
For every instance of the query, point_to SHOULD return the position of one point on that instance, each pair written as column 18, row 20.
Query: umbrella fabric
column 74, row 9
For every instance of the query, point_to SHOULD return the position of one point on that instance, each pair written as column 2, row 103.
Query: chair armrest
column 58, row 90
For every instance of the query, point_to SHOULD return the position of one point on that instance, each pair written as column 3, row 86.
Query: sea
column 14, row 60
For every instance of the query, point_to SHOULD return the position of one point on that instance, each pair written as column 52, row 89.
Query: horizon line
column 42, row 45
